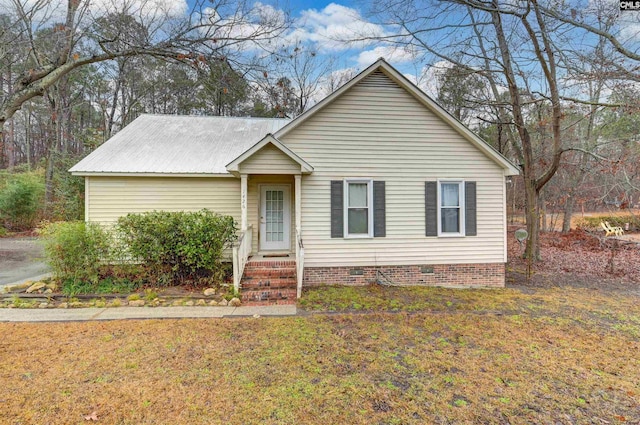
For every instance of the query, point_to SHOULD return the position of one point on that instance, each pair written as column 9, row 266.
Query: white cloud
column 429, row 77
column 394, row 55
column 334, row 80
column 256, row 24
column 628, row 21
column 411, row 77
column 334, row 28
column 630, row 30
column 54, row 11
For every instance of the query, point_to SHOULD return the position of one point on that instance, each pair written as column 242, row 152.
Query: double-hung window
column 451, row 208
column 358, row 211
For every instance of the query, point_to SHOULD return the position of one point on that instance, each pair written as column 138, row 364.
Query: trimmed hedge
column 156, row 247
column 175, row 246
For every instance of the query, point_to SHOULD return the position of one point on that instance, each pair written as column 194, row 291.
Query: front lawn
column 438, row 356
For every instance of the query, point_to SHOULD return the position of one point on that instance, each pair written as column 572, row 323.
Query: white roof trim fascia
column 119, row 174
column 233, row 166
column 401, row 80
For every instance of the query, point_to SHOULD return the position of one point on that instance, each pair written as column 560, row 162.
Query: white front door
column 275, row 217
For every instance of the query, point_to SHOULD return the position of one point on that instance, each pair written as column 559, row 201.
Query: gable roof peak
column 269, row 139
column 402, row 81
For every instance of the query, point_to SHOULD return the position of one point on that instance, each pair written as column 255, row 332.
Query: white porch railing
column 241, row 252
column 299, row 262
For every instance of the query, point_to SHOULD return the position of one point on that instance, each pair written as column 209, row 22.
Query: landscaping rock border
column 42, row 295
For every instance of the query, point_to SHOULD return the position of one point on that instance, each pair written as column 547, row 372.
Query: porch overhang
column 234, row 167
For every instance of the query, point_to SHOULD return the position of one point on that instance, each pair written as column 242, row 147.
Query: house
column 375, row 182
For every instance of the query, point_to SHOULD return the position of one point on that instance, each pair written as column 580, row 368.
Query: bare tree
column 603, row 19
column 522, row 53
column 305, row 70
column 336, row 79
column 220, row 29
column 292, row 78
column 52, row 39
column 461, row 92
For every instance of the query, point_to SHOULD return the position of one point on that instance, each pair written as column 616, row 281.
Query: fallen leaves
column 578, row 254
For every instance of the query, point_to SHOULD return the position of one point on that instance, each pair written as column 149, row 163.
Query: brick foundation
column 462, row 275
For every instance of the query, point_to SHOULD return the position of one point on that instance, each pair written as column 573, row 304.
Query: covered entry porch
column 271, row 178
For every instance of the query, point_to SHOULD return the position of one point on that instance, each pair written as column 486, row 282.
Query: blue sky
column 320, row 24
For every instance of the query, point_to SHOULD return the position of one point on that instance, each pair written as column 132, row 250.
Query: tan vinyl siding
column 378, row 130
column 269, row 160
column 112, row 197
column 253, row 208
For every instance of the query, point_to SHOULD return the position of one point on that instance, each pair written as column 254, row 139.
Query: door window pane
column 274, row 215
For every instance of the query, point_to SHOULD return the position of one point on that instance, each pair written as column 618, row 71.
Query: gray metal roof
column 171, row 144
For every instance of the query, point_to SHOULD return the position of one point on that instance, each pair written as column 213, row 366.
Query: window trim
column 345, row 208
column 462, row 206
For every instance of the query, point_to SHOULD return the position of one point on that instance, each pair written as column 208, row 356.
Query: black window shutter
column 470, row 224
column 379, row 213
column 431, row 208
column 337, row 209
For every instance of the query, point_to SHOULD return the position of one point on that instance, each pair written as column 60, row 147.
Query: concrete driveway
column 21, row 259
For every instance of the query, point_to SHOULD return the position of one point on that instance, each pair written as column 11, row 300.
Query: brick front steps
column 269, row 282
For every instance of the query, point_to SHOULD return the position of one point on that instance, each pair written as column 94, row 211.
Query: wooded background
column 551, row 85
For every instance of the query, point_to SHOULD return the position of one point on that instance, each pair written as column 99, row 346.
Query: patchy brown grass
column 494, row 356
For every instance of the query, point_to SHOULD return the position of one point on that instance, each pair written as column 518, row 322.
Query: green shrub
column 593, row 223
column 178, row 245
column 75, row 251
column 21, row 200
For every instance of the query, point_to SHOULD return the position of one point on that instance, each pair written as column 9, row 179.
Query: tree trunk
column 514, row 191
column 531, row 184
column 54, row 145
column 568, row 213
column 532, row 252
column 28, row 136
column 48, row 179
column 542, row 205
column 114, row 105
column 10, row 143
column 3, row 157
